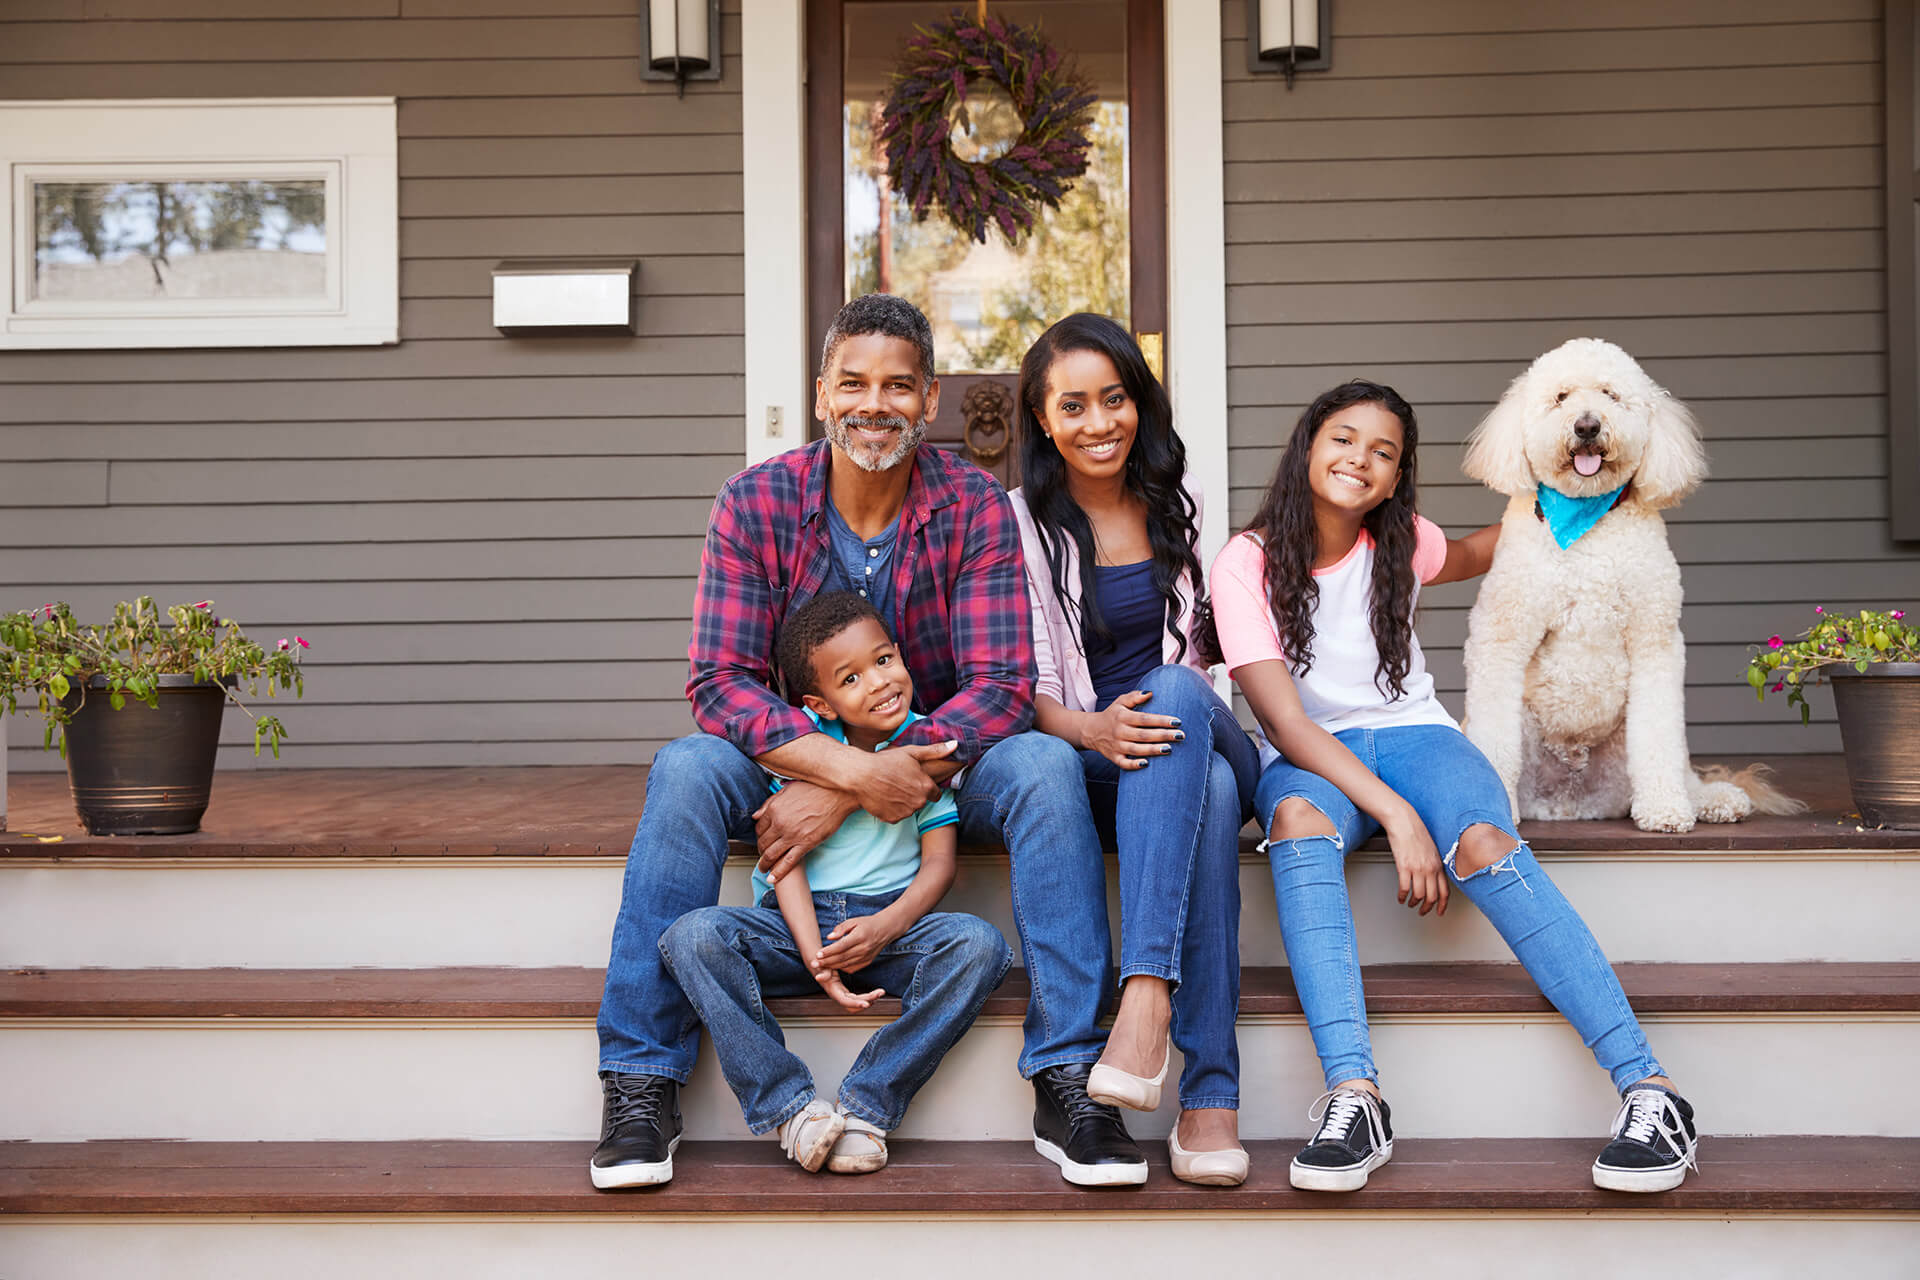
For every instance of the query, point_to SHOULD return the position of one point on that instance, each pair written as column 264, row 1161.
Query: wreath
column 1054, row 102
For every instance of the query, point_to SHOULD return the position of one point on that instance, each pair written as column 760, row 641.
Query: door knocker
column 988, row 412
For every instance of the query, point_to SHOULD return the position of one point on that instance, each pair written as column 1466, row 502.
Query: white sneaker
column 809, row 1134
column 861, row 1148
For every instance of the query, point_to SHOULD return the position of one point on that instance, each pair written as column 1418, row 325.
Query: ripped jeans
column 1452, row 787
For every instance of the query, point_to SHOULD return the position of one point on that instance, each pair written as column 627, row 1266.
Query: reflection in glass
column 988, row 302
column 119, row 241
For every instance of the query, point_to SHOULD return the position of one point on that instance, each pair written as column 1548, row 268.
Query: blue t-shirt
column 868, row 856
column 863, row 566
column 1136, row 615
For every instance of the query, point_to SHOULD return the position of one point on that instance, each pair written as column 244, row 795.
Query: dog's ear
column 1675, row 461
column 1497, row 449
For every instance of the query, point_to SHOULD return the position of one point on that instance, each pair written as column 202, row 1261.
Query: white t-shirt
column 1340, row 691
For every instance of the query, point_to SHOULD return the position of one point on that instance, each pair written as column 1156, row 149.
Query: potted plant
column 1873, row 662
column 137, row 704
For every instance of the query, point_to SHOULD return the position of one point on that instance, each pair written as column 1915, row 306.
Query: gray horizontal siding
column 1477, row 181
column 490, row 542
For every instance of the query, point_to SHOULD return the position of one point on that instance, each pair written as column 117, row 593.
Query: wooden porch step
column 1800, row 1175
column 481, row 992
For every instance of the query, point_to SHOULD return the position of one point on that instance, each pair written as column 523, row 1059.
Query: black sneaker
column 1355, row 1138
column 1087, row 1139
column 1653, row 1145
column 639, row 1129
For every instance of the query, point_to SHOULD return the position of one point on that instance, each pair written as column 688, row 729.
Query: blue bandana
column 1570, row 518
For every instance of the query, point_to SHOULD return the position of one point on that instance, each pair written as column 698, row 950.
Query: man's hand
column 836, row 987
column 855, row 943
column 893, row 786
column 794, row 820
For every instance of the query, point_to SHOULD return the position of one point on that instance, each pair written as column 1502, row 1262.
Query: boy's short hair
column 885, row 314
column 812, row 625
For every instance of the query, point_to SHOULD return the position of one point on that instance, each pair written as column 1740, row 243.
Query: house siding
column 489, row 541
column 1697, row 181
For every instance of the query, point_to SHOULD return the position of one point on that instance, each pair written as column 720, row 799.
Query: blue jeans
column 729, row 960
column 701, row 791
column 1452, row 787
column 1176, row 826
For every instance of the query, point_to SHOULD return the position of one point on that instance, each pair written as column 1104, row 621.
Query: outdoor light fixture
column 1289, row 36
column 682, row 40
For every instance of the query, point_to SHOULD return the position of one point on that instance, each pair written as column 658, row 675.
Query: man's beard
column 870, row 457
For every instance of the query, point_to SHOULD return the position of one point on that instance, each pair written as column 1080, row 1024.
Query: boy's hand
column 856, row 941
column 835, row 986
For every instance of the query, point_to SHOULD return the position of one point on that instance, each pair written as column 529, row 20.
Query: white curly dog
column 1576, row 668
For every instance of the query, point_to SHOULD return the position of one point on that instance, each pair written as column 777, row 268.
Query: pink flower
column 302, row 643
column 1778, row 687
column 282, row 646
column 1818, row 609
column 48, row 608
column 203, row 604
column 1774, row 642
column 1898, row 614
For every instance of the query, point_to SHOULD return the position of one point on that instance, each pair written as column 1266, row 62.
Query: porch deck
column 583, row 811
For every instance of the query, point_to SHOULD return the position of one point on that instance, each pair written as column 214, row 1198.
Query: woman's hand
column 1423, row 878
column 1129, row 737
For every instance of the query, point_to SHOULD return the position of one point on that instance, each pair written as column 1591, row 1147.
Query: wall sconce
column 1289, row 36
column 682, row 41
column 564, row 296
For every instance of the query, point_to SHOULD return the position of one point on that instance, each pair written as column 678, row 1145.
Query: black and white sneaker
column 1087, row 1139
column 639, row 1130
column 1653, row 1145
column 1355, row 1138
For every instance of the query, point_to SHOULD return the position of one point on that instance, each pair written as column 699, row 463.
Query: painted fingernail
column 1176, row 722
column 1145, row 763
column 1166, row 750
column 1179, row 737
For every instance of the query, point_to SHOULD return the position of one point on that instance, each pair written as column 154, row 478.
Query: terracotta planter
column 144, row 770
column 1880, row 731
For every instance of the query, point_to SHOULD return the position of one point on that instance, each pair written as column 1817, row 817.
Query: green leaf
column 118, row 699
column 58, row 686
column 1756, row 677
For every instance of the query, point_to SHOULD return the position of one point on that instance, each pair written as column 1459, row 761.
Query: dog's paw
column 1721, row 802
column 1665, row 814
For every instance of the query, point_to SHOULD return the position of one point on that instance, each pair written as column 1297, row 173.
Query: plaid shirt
column 960, row 610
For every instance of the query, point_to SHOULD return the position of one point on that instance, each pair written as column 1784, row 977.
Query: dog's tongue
column 1587, row 464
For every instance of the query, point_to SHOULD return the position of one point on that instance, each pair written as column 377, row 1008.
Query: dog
column 1576, row 668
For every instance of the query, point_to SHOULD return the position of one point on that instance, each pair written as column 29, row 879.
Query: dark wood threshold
column 1737, row 1175
column 590, row 811
column 575, row 992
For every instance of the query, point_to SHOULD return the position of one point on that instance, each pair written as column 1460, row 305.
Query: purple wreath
column 1056, row 109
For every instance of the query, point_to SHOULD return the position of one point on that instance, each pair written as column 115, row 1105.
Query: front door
column 1103, row 250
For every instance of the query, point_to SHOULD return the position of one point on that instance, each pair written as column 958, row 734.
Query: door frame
column 778, row 352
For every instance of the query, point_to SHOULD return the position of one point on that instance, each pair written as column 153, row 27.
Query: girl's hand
column 835, row 986
column 1129, row 737
column 1423, row 878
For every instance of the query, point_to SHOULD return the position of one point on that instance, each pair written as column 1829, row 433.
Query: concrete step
column 507, row 1054
column 324, row 908
column 1761, row 1207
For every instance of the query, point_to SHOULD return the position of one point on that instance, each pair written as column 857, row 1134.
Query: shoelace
column 1080, row 1106
column 1645, row 1112
column 641, row 1103
column 1340, row 1109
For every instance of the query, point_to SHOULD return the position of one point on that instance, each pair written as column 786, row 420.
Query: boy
column 875, row 884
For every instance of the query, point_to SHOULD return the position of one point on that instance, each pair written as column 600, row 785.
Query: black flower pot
column 144, row 770
column 1880, row 732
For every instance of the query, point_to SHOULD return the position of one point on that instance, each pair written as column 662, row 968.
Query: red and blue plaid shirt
column 960, row 610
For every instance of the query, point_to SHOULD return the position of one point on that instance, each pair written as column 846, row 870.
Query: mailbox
column 573, row 295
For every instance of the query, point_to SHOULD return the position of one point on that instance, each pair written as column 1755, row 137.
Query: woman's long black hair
column 1291, row 536
column 1156, row 464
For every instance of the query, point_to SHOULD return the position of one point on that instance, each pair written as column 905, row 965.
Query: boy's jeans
column 730, row 960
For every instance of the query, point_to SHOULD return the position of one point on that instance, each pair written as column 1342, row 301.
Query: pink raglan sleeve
column 1238, row 588
column 1429, row 549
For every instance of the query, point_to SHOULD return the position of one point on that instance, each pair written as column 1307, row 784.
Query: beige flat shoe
column 861, row 1148
column 1208, row 1168
column 1117, row 1088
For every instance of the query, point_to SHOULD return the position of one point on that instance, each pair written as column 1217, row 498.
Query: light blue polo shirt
column 868, row 856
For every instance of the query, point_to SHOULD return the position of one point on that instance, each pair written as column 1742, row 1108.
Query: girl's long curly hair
column 1155, row 466
column 1291, row 540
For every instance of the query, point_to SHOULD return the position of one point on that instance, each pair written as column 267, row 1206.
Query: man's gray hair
column 881, row 313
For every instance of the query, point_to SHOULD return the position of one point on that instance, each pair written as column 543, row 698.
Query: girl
column 1314, row 604
column 1111, row 531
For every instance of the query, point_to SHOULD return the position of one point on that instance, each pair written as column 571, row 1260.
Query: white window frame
column 350, row 143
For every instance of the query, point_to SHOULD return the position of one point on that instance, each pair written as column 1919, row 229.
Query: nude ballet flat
column 1119, row 1088
column 1208, row 1168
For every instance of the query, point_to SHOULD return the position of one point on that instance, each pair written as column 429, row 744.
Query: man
column 931, row 541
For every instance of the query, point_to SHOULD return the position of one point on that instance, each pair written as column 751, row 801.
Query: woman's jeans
column 730, row 960
column 1176, row 825
column 1452, row 787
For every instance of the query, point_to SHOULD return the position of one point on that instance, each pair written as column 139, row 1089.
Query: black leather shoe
column 639, row 1129
column 1087, row 1139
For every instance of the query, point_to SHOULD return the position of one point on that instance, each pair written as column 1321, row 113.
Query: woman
column 1111, row 534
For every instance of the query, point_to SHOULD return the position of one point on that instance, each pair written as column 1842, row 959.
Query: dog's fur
column 1576, row 669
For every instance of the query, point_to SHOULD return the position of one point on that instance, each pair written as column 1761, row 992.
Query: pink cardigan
column 1057, row 651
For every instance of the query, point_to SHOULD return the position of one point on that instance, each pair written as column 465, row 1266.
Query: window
column 244, row 222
